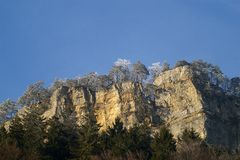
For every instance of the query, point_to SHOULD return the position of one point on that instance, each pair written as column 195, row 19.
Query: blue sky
column 49, row 39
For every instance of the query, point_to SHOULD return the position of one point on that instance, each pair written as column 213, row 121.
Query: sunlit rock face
column 125, row 101
column 182, row 104
column 179, row 103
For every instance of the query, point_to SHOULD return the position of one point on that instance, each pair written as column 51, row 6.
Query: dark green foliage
column 140, row 140
column 87, row 141
column 66, row 141
column 115, row 139
column 3, row 133
column 188, row 135
column 28, row 133
column 34, row 131
column 59, row 140
column 163, row 145
column 17, row 132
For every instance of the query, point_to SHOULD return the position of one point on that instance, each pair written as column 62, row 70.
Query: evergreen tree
column 34, row 134
column 3, row 133
column 17, row 131
column 189, row 135
column 58, row 140
column 140, row 140
column 163, row 145
column 87, row 142
column 115, row 139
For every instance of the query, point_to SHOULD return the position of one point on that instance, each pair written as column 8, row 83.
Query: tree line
column 31, row 138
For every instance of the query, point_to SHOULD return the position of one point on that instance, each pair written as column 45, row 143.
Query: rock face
column 125, row 101
column 179, row 103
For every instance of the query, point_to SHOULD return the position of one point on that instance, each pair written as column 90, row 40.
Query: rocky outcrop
column 125, row 101
column 178, row 102
column 183, row 104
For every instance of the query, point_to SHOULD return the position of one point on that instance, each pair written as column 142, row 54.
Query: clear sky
column 49, row 39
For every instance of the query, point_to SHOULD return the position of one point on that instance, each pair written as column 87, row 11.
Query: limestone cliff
column 182, row 103
column 179, row 102
column 125, row 101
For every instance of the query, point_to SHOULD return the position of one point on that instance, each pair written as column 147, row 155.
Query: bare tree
column 57, row 84
column 103, row 82
column 165, row 67
column 155, row 69
column 235, row 86
column 120, row 70
column 89, row 80
column 35, row 94
column 212, row 74
column 139, row 72
column 7, row 110
column 181, row 63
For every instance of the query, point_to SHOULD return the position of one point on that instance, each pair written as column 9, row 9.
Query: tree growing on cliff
column 120, row 70
column 58, row 83
column 7, row 110
column 103, row 82
column 207, row 73
column 155, row 69
column 235, row 86
column 34, row 95
column 139, row 72
column 89, row 80
column 181, row 63
column 165, row 66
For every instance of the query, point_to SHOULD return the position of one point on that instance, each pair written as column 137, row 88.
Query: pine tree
column 87, row 142
column 17, row 131
column 189, row 135
column 34, row 134
column 140, row 140
column 58, row 140
column 3, row 133
column 115, row 139
column 163, row 144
